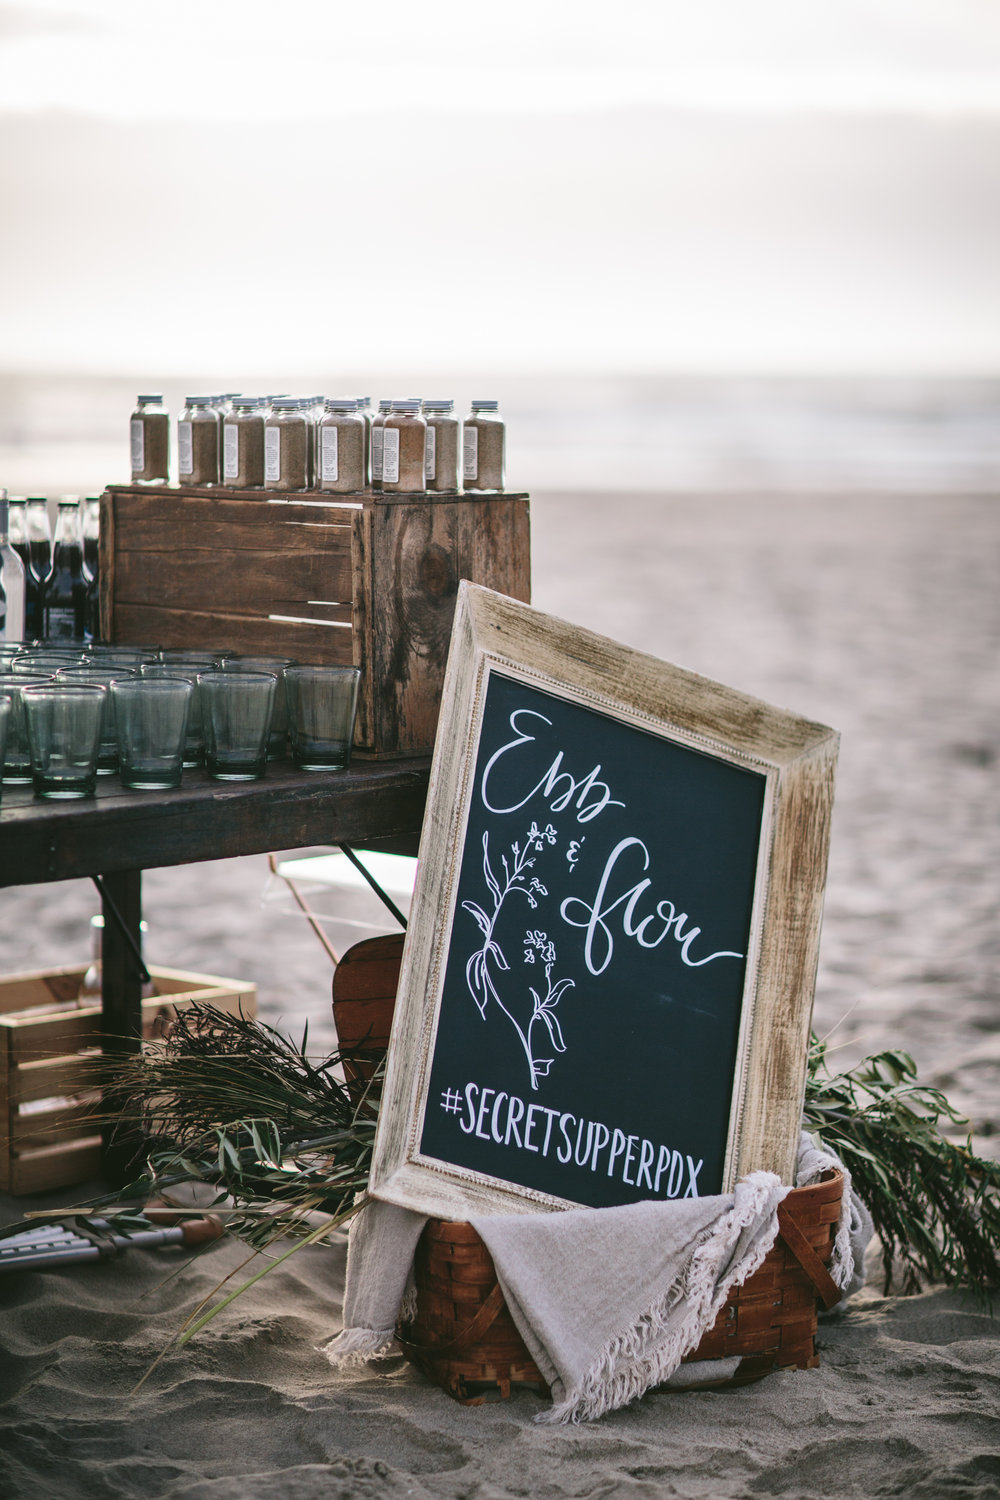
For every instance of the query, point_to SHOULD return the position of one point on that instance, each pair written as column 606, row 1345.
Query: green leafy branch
column 935, row 1205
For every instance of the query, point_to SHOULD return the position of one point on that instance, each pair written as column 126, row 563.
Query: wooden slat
column 419, row 555
column 52, row 1127
column 53, row 1167
column 330, row 643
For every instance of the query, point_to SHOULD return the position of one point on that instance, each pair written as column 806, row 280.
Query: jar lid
column 287, row 403
column 145, row 400
column 478, row 404
column 407, row 404
column 341, row 403
column 384, row 405
column 435, row 403
column 251, row 403
column 200, row 400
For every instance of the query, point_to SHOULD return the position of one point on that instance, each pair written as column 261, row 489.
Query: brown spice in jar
column 151, row 438
column 243, row 451
column 444, row 444
column 483, row 450
column 340, row 452
column 198, row 448
column 286, row 450
column 403, row 448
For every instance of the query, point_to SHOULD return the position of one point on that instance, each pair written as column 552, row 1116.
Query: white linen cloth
column 608, row 1301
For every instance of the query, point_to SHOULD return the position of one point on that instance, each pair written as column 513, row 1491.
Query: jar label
column 185, row 449
column 377, row 435
column 230, row 451
column 430, row 453
column 328, row 454
column 272, row 453
column 138, row 445
column 470, row 452
column 390, row 455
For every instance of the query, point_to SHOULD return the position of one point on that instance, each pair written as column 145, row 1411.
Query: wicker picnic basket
column 465, row 1340
column 463, row 1336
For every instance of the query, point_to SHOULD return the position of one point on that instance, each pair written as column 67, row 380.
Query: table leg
column 121, row 1020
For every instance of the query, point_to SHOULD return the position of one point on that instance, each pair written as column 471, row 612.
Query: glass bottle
column 17, row 531
column 198, row 441
column 483, row 447
column 65, row 589
column 92, row 984
column 243, row 443
column 286, row 445
column 90, row 530
column 403, row 439
column 39, row 538
column 341, row 446
column 12, row 589
column 441, row 449
column 150, row 441
column 378, row 432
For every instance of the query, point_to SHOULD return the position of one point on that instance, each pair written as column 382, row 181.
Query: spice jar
column 441, row 445
column 243, row 443
column 378, row 433
column 483, row 447
column 198, row 441
column 403, row 438
column 286, row 445
column 314, row 407
column 149, row 433
column 365, row 408
column 341, row 447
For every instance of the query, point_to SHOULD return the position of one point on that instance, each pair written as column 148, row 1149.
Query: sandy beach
column 876, row 614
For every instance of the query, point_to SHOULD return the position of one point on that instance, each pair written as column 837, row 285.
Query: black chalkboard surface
column 594, row 981
column 607, row 981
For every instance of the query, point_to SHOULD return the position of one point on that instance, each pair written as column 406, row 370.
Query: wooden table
column 119, row 833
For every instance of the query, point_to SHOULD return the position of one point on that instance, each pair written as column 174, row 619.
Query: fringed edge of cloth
column 648, row 1352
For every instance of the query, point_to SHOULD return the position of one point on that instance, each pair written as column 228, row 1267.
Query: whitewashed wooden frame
column 796, row 757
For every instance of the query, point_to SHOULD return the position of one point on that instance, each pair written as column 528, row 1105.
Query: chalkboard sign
column 607, row 982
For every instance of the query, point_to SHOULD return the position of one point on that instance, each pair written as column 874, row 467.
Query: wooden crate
column 48, row 1136
column 368, row 579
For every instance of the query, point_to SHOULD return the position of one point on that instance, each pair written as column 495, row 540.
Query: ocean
column 68, row 433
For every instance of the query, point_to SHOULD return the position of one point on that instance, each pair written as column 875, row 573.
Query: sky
column 770, row 186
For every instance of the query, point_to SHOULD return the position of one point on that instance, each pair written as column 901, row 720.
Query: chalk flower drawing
column 478, row 976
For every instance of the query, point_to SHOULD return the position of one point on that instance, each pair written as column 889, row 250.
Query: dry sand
column 879, row 616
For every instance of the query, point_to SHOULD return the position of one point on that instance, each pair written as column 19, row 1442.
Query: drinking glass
column 107, row 754
column 205, row 661
column 4, row 718
column 194, row 739
column 64, row 734
column 322, row 706
column 42, row 659
column 151, row 714
column 237, row 708
column 277, row 743
column 17, row 756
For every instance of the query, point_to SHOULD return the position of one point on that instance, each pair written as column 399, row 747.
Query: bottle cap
column 435, row 403
column 478, row 404
column 287, row 403
column 200, row 400
column 341, row 403
column 407, row 404
column 147, row 400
